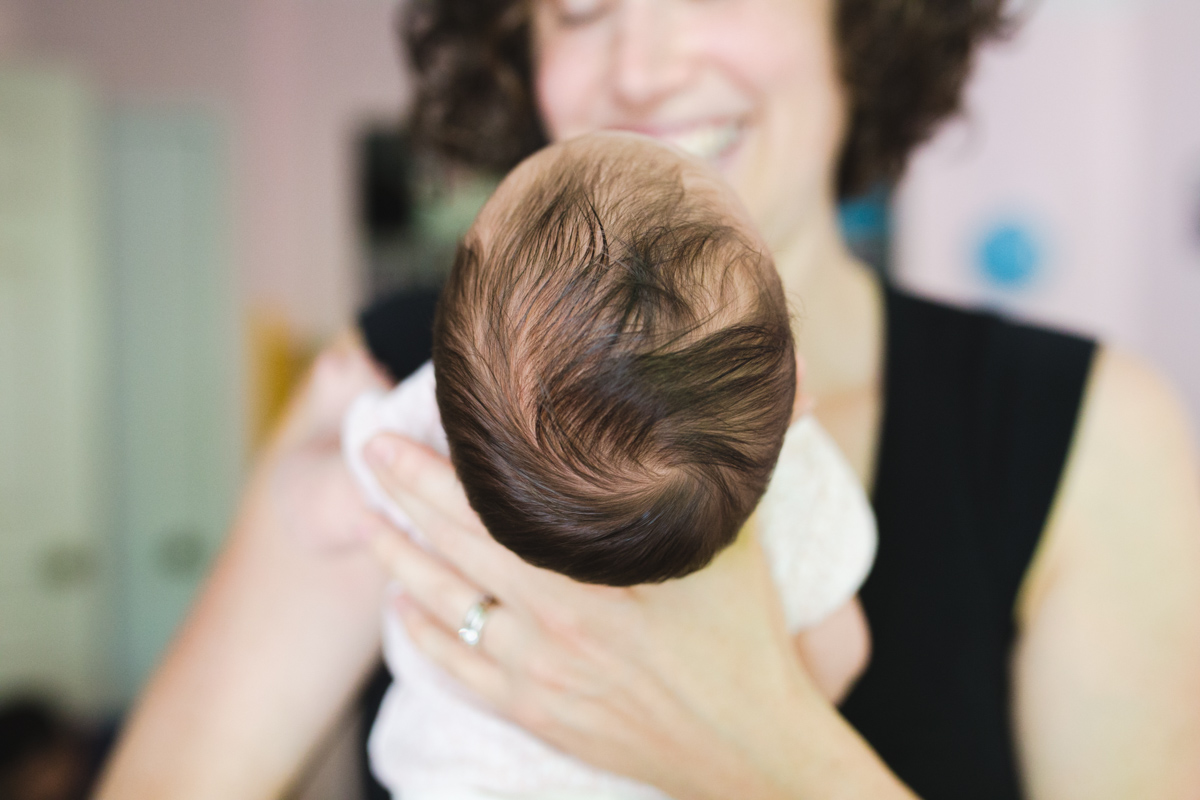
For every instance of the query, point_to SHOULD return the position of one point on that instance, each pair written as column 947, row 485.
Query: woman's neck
column 838, row 306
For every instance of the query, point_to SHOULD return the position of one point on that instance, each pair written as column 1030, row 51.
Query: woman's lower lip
column 712, row 143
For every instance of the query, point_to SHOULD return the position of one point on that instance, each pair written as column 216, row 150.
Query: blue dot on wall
column 1009, row 256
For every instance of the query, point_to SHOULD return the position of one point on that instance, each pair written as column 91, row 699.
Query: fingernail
column 381, row 452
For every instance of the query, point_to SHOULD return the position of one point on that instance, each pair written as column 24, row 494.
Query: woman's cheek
column 560, row 91
column 569, row 73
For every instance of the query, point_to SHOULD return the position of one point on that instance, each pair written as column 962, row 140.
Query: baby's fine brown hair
column 615, row 370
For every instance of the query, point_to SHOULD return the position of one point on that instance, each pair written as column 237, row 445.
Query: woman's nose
column 650, row 61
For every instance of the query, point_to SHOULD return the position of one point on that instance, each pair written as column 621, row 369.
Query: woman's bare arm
column 284, row 629
column 1108, row 667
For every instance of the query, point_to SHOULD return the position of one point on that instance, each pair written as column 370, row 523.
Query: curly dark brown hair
column 903, row 63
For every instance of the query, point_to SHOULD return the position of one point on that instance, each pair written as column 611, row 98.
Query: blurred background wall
column 194, row 195
column 177, row 232
column 1069, row 193
column 288, row 82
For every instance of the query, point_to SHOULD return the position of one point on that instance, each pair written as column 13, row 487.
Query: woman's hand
column 691, row 685
column 309, row 487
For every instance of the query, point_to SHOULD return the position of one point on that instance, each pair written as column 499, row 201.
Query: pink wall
column 1172, row 300
column 1084, row 131
column 294, row 79
column 1050, row 140
column 317, row 72
column 12, row 27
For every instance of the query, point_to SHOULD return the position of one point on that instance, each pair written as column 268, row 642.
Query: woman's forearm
column 794, row 746
column 271, row 653
column 822, row 756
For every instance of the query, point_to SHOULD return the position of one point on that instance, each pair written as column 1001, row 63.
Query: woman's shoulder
column 1114, row 592
column 1121, row 401
column 1131, row 486
column 1127, row 473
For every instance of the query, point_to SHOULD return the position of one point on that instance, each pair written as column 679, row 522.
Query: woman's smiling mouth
column 709, row 141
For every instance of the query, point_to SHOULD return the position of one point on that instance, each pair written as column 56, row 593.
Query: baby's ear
column 803, row 404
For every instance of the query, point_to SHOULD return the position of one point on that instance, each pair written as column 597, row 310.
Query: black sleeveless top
column 978, row 417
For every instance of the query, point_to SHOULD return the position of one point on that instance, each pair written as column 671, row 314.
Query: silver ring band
column 474, row 620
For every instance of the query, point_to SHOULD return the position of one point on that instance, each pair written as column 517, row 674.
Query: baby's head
column 614, row 362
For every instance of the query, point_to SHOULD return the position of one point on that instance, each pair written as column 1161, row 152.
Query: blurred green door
column 56, row 570
column 179, row 375
column 121, row 433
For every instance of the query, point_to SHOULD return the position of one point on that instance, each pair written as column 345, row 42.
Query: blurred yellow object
column 279, row 357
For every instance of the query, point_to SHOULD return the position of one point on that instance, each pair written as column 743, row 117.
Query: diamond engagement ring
column 474, row 620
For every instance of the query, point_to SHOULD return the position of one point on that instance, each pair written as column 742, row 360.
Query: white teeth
column 707, row 142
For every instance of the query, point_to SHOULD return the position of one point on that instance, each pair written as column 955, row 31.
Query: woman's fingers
column 443, row 593
column 425, row 485
column 469, row 665
column 419, row 472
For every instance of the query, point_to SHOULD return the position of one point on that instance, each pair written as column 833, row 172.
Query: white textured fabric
column 816, row 526
column 433, row 740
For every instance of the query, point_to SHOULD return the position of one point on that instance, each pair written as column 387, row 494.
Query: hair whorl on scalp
column 615, row 374
column 903, row 63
